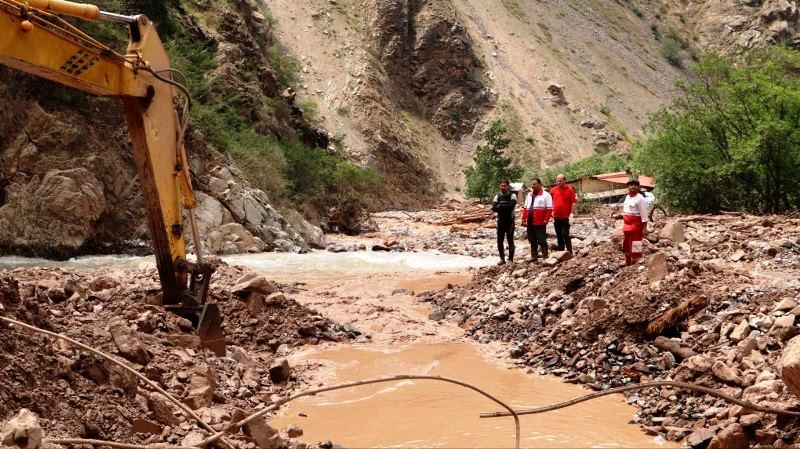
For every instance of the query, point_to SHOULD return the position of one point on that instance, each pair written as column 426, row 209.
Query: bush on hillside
column 730, row 140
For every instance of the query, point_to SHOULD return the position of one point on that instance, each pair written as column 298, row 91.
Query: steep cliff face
column 733, row 26
column 409, row 86
column 67, row 177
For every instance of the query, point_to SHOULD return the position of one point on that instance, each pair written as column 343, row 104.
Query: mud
column 433, row 414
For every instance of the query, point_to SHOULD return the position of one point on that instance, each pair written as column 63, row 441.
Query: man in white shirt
column 634, row 216
column 535, row 216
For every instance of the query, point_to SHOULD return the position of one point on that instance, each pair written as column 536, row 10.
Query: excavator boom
column 35, row 41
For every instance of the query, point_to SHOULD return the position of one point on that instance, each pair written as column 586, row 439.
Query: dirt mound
column 724, row 303
column 80, row 395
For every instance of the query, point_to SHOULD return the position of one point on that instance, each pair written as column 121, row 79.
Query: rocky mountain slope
column 413, row 83
column 67, row 177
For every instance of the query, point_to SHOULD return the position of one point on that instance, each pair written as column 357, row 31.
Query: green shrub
column 286, row 68
column 490, row 165
column 585, row 205
column 730, row 140
column 672, row 52
column 321, row 181
column 309, row 109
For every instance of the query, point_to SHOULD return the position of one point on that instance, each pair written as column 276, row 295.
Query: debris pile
column 714, row 302
column 468, row 229
column 79, row 395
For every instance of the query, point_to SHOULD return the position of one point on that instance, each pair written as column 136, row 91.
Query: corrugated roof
column 622, row 178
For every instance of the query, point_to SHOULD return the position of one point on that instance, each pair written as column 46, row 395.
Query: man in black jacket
column 504, row 204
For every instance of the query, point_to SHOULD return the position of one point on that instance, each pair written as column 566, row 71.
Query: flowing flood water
column 359, row 288
column 426, row 413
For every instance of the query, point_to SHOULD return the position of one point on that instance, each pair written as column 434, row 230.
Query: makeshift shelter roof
column 622, row 178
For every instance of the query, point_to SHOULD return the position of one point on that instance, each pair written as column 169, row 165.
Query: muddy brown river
column 427, row 413
column 360, row 289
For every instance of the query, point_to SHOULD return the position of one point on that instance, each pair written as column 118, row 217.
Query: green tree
column 731, row 138
column 490, row 164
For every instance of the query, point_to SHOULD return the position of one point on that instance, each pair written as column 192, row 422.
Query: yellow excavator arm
column 35, row 40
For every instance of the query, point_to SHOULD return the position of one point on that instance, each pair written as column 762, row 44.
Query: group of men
column 559, row 204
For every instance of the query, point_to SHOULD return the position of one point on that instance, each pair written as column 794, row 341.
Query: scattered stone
column 724, row 373
column 561, row 256
column 437, row 314
column 790, row 366
column 673, row 230
column 786, row 304
column 294, row 431
column 732, row 437
column 280, row 372
column 550, row 262
column 193, row 438
column 700, row 438
column 674, row 347
column 741, row 331
column 144, row 426
column 128, row 343
column 252, row 282
column 22, row 431
column 783, row 321
column 102, row 282
column 201, row 388
column 593, row 303
column 402, row 291
column 263, row 434
column 161, row 410
column 657, row 267
column 749, row 420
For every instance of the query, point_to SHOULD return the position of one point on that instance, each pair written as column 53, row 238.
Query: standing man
column 538, row 208
column 634, row 216
column 504, row 204
column 564, row 202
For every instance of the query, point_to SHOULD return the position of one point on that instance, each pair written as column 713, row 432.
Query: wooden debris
column 671, row 318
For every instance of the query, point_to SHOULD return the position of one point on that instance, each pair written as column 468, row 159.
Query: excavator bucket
column 209, row 329
column 208, row 322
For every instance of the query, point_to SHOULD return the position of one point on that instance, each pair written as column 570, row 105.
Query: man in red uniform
column 564, row 201
column 634, row 216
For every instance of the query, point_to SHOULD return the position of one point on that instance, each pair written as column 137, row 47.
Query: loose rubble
column 713, row 302
column 78, row 395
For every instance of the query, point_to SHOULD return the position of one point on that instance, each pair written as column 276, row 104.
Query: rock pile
column 76, row 394
column 713, row 302
column 442, row 229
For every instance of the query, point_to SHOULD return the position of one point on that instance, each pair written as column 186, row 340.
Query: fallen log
column 462, row 219
column 671, row 318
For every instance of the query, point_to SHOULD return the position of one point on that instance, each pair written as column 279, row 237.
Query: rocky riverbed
column 714, row 302
column 80, row 395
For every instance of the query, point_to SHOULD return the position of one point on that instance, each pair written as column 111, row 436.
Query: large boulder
column 673, row 230
column 22, row 431
column 128, row 343
column 790, row 366
column 731, row 437
column 58, row 210
column 657, row 267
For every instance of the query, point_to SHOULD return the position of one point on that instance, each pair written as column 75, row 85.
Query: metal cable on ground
column 281, row 402
column 114, row 444
column 111, row 359
column 659, row 383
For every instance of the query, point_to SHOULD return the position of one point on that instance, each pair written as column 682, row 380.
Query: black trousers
column 537, row 237
column 562, row 234
column 505, row 231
